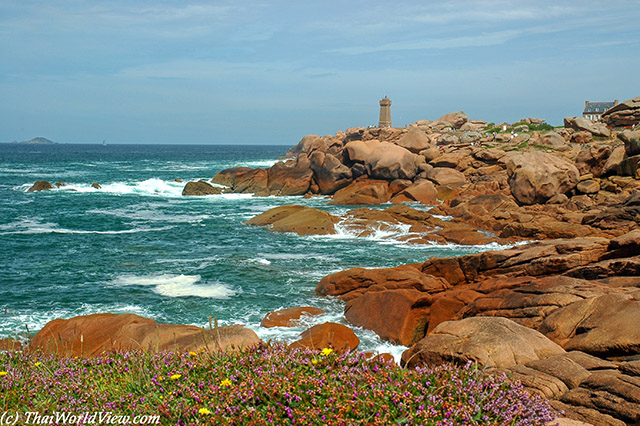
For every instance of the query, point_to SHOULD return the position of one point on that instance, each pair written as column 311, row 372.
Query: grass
column 269, row 384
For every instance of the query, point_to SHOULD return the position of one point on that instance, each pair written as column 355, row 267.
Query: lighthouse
column 385, row 112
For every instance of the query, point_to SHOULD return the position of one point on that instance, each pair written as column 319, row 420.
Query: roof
column 597, row 107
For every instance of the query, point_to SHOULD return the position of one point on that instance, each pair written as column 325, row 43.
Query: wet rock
column 200, row 188
column 301, row 220
column 40, row 185
column 96, row 185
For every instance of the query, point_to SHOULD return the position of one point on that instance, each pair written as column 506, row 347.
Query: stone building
column 593, row 110
column 385, row 112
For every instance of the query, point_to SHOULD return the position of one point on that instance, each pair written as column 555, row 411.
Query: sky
column 270, row 72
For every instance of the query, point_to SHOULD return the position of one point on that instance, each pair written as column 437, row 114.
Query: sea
column 136, row 245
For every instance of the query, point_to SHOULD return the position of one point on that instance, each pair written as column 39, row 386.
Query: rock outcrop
column 92, row 335
column 328, row 335
column 299, row 219
column 200, row 188
column 535, row 177
column 41, row 185
column 626, row 113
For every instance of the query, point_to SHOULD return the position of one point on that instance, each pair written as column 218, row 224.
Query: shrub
column 269, row 384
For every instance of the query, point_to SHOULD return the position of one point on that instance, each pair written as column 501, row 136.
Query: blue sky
column 269, row 72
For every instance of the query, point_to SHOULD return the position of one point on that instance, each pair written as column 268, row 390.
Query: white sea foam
column 140, row 213
column 34, row 226
column 177, row 285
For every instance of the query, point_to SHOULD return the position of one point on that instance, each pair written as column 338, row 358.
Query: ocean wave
column 140, row 213
column 34, row 226
column 176, row 285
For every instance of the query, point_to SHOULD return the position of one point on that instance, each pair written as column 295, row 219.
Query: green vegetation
column 269, row 384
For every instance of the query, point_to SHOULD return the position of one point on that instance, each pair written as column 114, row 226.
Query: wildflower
column 326, row 351
column 225, row 382
column 175, row 376
column 204, row 411
column 192, row 353
column 314, row 361
column 3, row 373
column 37, row 364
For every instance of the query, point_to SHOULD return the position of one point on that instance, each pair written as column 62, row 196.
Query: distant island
column 38, row 140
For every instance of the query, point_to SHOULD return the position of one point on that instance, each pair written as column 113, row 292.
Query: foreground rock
column 516, row 311
column 92, row 335
column 200, row 188
column 41, row 185
column 491, row 342
column 328, row 335
column 299, row 219
column 289, row 317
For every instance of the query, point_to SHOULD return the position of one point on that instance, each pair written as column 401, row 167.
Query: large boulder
column 301, row 220
column 456, row 119
column 423, row 191
column 396, row 316
column 534, row 177
column 244, row 180
column 415, row 140
column 446, row 176
column 41, row 185
column 328, row 335
column 291, row 178
column 626, row 113
column 92, row 335
column 491, row 342
column 200, row 188
column 308, row 144
column 599, row 326
column 330, row 174
column 583, row 124
column 289, row 317
column 366, row 191
column 389, row 161
column 631, row 141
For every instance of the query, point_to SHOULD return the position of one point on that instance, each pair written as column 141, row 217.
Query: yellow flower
column 37, row 364
column 225, row 382
column 204, row 411
column 175, row 376
column 326, row 351
column 3, row 373
column 314, row 361
column 192, row 353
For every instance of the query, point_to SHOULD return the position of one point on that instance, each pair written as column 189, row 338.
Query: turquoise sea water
column 137, row 245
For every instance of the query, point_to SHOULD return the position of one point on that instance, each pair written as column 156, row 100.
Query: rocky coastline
column 557, row 311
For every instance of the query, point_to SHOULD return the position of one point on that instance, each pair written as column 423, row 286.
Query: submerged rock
column 289, row 317
column 41, row 185
column 299, row 219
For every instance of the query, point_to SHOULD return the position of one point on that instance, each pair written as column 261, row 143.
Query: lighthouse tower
column 385, row 112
